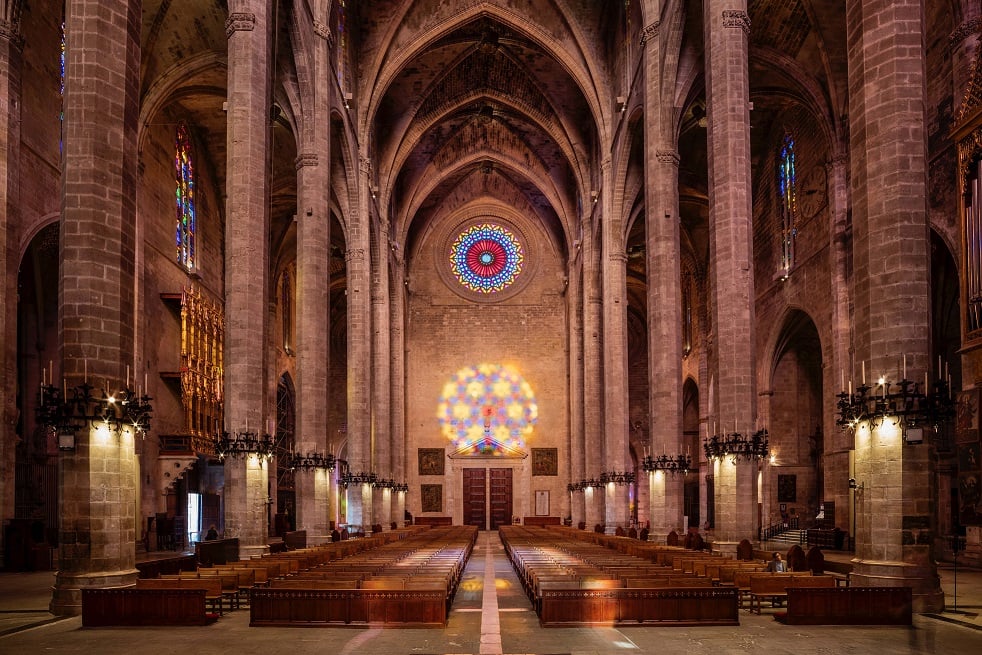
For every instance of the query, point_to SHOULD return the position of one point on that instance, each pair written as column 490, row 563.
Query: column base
column 66, row 595
column 924, row 580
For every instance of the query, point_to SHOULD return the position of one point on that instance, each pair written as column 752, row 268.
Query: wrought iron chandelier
column 678, row 464
column 311, row 461
column 607, row 477
column 904, row 403
column 245, row 444
column 66, row 411
column 737, row 446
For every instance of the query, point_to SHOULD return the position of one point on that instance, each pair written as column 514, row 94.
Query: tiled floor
column 490, row 615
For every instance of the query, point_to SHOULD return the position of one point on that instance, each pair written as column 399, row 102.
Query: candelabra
column 737, row 446
column 310, row 461
column 400, row 487
column 349, row 479
column 245, row 444
column 904, row 403
column 678, row 464
column 66, row 411
column 607, row 477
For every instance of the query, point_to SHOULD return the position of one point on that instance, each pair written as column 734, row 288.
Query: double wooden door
column 487, row 497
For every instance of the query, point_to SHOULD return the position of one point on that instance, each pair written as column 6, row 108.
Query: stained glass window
column 489, row 408
column 342, row 50
column 486, row 258
column 787, row 184
column 185, row 198
column 61, row 113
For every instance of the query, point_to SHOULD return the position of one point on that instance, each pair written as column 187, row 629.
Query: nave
column 490, row 615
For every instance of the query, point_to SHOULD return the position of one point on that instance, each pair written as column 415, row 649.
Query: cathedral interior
column 703, row 266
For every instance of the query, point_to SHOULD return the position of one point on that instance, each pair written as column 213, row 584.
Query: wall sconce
column 858, row 488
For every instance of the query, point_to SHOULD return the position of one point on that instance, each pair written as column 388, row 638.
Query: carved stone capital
column 239, row 21
column 650, row 32
column 323, row 31
column 668, row 157
column 965, row 30
column 605, row 164
column 365, row 164
column 306, row 159
column 354, row 255
column 737, row 18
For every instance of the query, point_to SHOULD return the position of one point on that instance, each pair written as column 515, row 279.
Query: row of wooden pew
column 409, row 583
column 571, row 582
column 581, row 578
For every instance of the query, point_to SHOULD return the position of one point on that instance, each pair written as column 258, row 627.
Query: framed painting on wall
column 431, row 496
column 431, row 461
column 787, row 488
column 545, row 461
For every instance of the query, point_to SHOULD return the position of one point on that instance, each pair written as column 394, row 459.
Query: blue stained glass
column 184, row 195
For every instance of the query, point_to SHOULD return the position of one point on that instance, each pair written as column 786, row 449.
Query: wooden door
column 475, row 503
column 501, row 502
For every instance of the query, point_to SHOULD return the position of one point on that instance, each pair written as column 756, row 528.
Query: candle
column 51, row 372
column 85, row 368
column 65, row 382
column 850, row 388
column 127, row 376
column 905, row 366
column 925, row 383
column 864, row 371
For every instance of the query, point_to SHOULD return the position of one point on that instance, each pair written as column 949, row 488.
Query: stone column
column 360, row 351
column 11, row 45
column 891, row 254
column 247, row 264
column 613, row 271
column 592, row 368
column 97, row 481
column 662, row 257
column 381, row 357
column 574, row 308
column 727, row 28
column 839, row 443
column 397, row 381
column 313, row 292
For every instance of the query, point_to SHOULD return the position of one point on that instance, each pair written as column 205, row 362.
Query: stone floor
column 490, row 615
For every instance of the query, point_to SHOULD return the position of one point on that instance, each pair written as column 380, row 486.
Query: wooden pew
column 775, row 586
column 312, row 607
column 626, row 607
column 130, row 606
column 211, row 586
column 848, row 606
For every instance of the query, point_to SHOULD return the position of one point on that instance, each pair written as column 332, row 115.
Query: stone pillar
column 839, row 443
column 592, row 368
column 662, row 263
column 613, row 271
column 891, row 254
column 97, row 481
column 574, row 308
column 11, row 44
column 397, row 381
column 246, row 287
column 360, row 351
column 313, row 290
column 727, row 28
column 382, row 446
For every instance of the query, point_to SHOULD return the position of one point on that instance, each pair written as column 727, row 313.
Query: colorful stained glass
column 487, row 408
column 486, row 258
column 185, row 200
column 787, row 185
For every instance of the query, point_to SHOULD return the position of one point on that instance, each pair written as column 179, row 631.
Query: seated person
column 777, row 565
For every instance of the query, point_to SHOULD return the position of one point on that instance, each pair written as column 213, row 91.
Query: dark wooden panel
column 501, row 497
column 475, row 507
